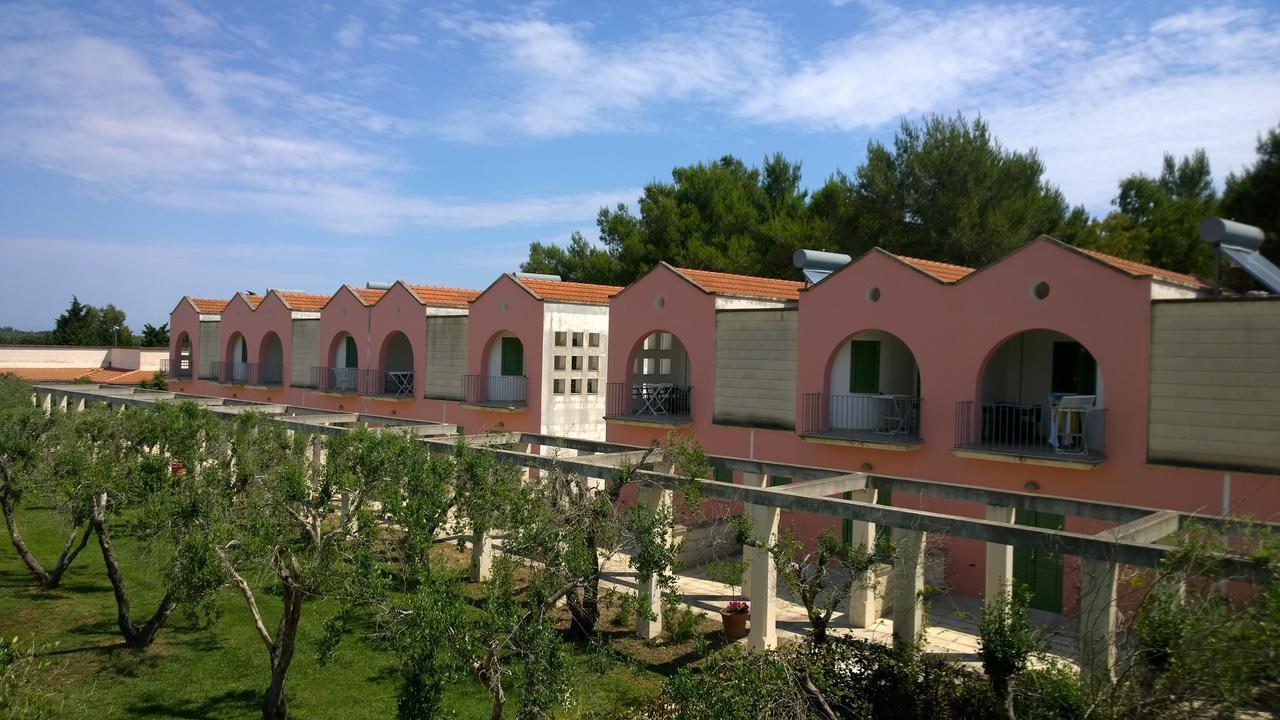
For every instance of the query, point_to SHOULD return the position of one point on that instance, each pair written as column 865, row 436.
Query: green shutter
column 846, row 525
column 864, row 366
column 884, row 532
column 512, row 356
column 776, row 480
column 1040, row 571
column 349, row 349
column 724, row 475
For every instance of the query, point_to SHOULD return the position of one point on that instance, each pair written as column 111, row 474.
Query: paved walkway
column 951, row 626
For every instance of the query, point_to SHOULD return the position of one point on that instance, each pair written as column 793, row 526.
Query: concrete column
column 481, row 557
column 763, row 588
column 999, row 557
column 79, row 405
column 655, row 498
column 750, row 480
column 1097, row 622
column 46, row 403
column 862, row 591
column 908, row 585
column 62, row 404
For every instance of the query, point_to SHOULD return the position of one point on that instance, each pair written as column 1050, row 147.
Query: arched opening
column 181, row 363
column 235, row 368
column 504, row 379
column 1040, row 396
column 397, row 366
column 270, row 369
column 659, row 377
column 342, row 372
column 872, row 394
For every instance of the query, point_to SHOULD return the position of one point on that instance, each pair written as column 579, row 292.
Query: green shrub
column 1053, row 692
column 681, row 623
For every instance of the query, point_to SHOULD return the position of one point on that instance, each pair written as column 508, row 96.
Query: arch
column 1039, row 391
column 271, row 359
column 236, row 364
column 182, row 364
column 504, row 370
column 659, row 376
column 871, row 389
column 343, row 361
column 395, row 359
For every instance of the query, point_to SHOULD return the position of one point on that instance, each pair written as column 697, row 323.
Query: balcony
column 385, row 383
column 496, row 392
column 335, row 379
column 1069, row 432
column 649, row 403
column 240, row 373
column 180, row 371
column 882, row 421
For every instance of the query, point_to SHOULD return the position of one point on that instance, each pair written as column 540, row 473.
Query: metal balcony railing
column 497, row 390
column 238, row 373
column 388, row 383
column 1031, row 430
column 335, row 380
column 870, row 418
column 649, row 401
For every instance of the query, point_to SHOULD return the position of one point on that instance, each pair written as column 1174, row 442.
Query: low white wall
column 55, row 356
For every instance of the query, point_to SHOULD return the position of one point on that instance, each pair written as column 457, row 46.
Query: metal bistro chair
column 655, row 399
column 1067, row 424
column 896, row 417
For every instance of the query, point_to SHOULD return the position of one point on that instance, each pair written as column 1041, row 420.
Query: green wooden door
column 350, row 355
column 864, row 366
column 1040, row 571
column 512, row 356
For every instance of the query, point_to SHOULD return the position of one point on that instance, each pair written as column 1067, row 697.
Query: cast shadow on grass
column 232, row 702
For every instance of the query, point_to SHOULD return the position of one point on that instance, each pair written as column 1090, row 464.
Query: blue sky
column 150, row 149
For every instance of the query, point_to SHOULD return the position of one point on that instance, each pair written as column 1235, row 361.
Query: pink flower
column 736, row 607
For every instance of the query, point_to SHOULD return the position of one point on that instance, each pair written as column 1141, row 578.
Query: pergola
column 1134, row 540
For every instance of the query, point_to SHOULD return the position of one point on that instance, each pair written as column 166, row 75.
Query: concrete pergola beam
column 827, row 486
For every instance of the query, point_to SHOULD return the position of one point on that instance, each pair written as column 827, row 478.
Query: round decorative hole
column 873, row 295
column 1040, row 290
column 659, row 302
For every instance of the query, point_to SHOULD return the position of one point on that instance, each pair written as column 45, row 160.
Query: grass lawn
column 219, row 669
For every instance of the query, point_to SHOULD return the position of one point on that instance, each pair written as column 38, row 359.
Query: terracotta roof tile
column 719, row 283
column 442, row 296
column 1137, row 269
column 303, row 302
column 946, row 272
column 253, row 300
column 574, row 292
column 209, row 306
column 106, row 376
column 368, row 296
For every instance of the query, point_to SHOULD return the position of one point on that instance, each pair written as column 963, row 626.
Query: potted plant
column 735, row 615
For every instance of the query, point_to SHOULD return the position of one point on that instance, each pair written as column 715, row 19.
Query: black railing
column 649, row 401
column 875, row 418
column 164, row 365
column 182, row 372
column 390, row 383
column 500, row 390
column 238, row 373
column 335, row 380
column 1032, row 430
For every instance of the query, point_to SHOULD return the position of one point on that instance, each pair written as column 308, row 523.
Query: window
column 575, row 387
column 664, row 366
column 650, row 366
column 576, row 363
column 593, row 363
column 512, row 356
column 557, row 386
column 724, row 475
column 349, row 353
column 664, row 340
column 559, row 362
column 593, row 339
column 593, row 386
column 779, row 480
column 560, row 338
column 577, row 339
column 864, row 366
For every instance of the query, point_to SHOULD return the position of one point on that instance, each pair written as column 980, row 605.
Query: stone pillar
column 79, row 405
column 999, row 557
column 62, row 404
column 763, row 588
column 750, row 480
column 655, row 499
column 481, row 557
column 862, row 592
column 46, row 403
column 908, row 585
column 1097, row 622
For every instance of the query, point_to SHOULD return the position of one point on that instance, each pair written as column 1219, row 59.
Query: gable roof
column 570, row 292
column 301, row 301
column 367, row 296
column 253, row 301
column 208, row 306
column 442, row 296
column 946, row 272
column 1137, row 269
column 746, row 286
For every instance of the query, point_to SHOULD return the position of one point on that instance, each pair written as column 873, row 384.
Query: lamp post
column 115, row 336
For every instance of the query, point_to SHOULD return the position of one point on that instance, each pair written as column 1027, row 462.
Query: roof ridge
column 1149, row 269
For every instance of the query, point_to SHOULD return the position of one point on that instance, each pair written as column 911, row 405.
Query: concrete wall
column 581, row 413
column 446, row 360
column 66, row 356
column 1215, row 383
column 304, row 352
column 756, row 367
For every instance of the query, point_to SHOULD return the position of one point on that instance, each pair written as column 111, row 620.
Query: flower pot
column 735, row 624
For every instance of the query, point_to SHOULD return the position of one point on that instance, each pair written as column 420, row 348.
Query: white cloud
column 351, row 34
column 182, row 18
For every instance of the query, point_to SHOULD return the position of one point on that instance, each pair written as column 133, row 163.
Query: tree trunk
column 135, row 636
column 1004, row 697
column 585, row 613
column 70, row 550
column 42, row 576
column 273, row 702
column 819, row 624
